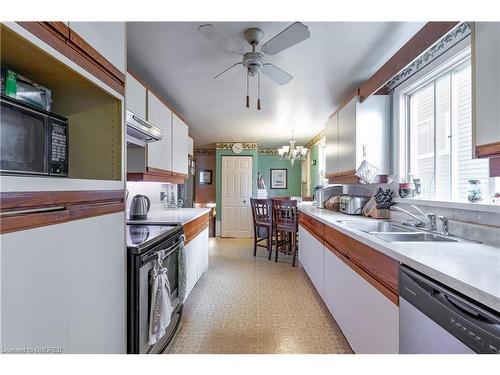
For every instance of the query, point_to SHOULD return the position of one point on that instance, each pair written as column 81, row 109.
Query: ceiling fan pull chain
column 248, row 97
column 258, row 94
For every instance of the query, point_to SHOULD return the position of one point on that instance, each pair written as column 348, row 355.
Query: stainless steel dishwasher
column 436, row 319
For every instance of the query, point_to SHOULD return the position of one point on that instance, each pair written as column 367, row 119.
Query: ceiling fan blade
column 276, row 74
column 227, row 70
column 292, row 35
column 219, row 38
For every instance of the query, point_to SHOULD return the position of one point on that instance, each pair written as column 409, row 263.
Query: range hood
column 140, row 132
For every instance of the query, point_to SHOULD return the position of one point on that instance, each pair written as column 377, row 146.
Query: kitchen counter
column 159, row 215
column 470, row 268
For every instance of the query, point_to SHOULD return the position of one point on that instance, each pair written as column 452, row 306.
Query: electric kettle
column 139, row 207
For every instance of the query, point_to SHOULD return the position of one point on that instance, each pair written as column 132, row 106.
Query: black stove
column 141, row 237
column 145, row 245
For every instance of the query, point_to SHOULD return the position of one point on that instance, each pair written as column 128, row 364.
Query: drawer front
column 380, row 266
column 315, row 227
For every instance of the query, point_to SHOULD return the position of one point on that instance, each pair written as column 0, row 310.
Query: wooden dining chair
column 285, row 227
column 262, row 212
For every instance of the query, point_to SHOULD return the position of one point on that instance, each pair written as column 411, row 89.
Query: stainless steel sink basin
column 413, row 237
column 369, row 226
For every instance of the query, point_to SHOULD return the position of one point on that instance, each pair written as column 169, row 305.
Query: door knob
column 244, row 201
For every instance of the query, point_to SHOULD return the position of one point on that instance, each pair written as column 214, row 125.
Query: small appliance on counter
column 322, row 195
column 139, row 207
column 352, row 204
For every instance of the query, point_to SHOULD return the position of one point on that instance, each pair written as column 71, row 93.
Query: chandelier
column 292, row 152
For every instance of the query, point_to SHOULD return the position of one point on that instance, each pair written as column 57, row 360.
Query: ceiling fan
column 254, row 62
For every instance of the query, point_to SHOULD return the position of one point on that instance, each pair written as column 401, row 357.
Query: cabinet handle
column 32, row 211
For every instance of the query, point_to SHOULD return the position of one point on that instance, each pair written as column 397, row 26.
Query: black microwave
column 32, row 141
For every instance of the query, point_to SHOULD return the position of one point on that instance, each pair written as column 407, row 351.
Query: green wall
column 218, row 175
column 268, row 162
column 314, row 169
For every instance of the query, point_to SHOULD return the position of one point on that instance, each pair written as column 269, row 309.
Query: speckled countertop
column 470, row 268
column 159, row 215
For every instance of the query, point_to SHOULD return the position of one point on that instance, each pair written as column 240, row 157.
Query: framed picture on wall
column 279, row 179
column 205, row 177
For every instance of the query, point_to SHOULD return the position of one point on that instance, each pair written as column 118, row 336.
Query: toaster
column 352, row 204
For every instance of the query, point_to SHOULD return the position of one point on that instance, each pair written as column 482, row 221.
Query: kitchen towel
column 161, row 308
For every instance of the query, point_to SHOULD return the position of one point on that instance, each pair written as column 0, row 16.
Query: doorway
column 236, row 192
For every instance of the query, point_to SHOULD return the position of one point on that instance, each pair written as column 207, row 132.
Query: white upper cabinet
column 332, row 151
column 486, row 82
column 179, row 146
column 160, row 152
column 347, row 138
column 135, row 96
column 353, row 126
column 107, row 38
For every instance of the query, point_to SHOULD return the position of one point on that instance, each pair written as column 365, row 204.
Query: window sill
column 479, row 207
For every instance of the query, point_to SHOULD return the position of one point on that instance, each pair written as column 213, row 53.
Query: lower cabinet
column 64, row 285
column 368, row 319
column 196, row 259
column 311, row 256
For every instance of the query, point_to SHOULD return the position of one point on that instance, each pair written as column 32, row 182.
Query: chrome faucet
column 430, row 216
column 419, row 223
column 444, row 225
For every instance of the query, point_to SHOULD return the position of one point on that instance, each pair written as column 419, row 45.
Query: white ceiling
column 180, row 64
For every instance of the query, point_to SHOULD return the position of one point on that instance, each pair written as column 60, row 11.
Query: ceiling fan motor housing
column 254, row 62
column 253, row 35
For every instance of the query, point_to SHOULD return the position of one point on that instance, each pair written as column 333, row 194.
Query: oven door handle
column 167, row 251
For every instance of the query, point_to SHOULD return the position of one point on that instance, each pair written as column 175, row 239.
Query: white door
column 236, row 192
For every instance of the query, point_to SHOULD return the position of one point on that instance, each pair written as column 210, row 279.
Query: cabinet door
column 191, row 266
column 64, row 286
column 368, row 319
column 135, row 96
column 312, row 253
column 160, row 152
column 332, row 151
column 107, row 38
column 486, row 82
column 202, row 251
column 179, row 146
column 347, row 137
column 373, row 130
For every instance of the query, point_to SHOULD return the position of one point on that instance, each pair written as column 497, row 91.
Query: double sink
column 390, row 231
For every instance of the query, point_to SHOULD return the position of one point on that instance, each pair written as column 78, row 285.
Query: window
column 439, row 134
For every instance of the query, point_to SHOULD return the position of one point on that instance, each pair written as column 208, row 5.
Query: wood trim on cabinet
column 495, row 167
column 23, row 200
column 80, row 52
column 393, row 297
column 195, row 227
column 380, row 266
column 378, row 269
column 88, row 50
column 488, row 150
column 345, row 102
column 421, row 41
column 19, row 209
column 314, row 227
column 157, row 175
column 352, row 179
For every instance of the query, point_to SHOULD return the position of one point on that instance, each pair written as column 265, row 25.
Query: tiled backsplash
column 476, row 225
